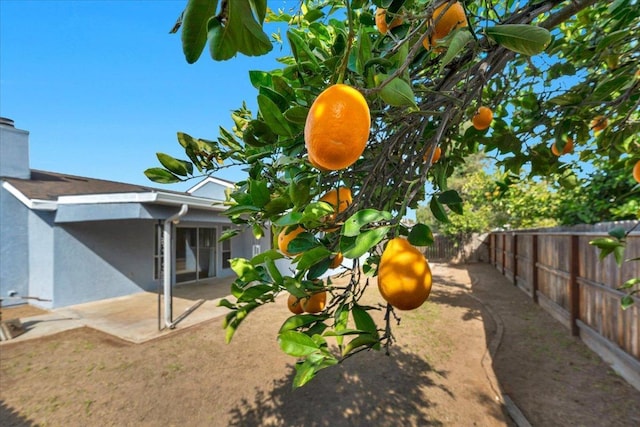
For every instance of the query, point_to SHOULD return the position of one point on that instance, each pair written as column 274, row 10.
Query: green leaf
column 296, row 343
column 299, row 320
column 300, row 49
column 244, row 269
column 234, row 318
column 228, row 234
column 341, row 317
column 241, row 209
column 438, row 210
column 297, row 115
column 318, row 269
column 364, row 322
column 241, row 33
column 459, row 40
column 618, row 232
column 520, row 38
column 277, row 206
column 605, row 243
column 256, row 292
column 449, row 197
column 260, row 78
column 221, row 46
column 290, row 218
column 313, row 256
column 194, row 27
column 273, row 117
column 262, row 257
column 259, row 134
column 355, row 247
column 161, row 176
column 421, row 235
column 630, row 283
column 626, row 302
column 607, row 88
column 397, row 92
column 362, row 340
column 618, row 254
column 259, row 192
column 306, row 370
column 361, row 218
column 302, row 243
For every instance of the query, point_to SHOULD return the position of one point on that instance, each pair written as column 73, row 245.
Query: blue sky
column 102, row 86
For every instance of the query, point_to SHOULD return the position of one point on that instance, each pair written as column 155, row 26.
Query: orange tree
column 526, row 73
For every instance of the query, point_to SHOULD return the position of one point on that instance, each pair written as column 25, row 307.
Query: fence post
column 534, row 266
column 490, row 248
column 514, row 251
column 574, row 294
column 504, row 252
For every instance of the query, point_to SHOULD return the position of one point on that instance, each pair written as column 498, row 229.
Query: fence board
column 542, row 263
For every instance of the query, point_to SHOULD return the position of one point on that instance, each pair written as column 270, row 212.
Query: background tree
column 545, row 68
column 495, row 200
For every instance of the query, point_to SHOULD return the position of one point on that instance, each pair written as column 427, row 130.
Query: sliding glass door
column 196, row 256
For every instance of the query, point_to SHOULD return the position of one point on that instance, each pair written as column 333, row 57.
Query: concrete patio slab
column 135, row 318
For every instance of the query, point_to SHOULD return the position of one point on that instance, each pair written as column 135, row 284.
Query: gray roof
column 50, row 185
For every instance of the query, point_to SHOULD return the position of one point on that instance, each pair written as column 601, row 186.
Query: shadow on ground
column 345, row 395
column 11, row 418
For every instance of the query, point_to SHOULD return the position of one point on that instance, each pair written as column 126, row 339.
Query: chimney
column 14, row 151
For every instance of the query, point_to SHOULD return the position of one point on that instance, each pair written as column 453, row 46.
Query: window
column 226, row 249
column 158, row 258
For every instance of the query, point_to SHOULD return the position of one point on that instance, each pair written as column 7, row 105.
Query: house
column 67, row 239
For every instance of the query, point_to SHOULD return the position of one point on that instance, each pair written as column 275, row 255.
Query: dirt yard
column 440, row 372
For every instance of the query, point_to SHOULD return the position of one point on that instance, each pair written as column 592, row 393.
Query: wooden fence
column 562, row 272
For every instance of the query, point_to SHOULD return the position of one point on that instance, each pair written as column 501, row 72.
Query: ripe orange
column 437, row 153
column 453, row 18
column 337, row 127
column 286, row 236
column 636, row 171
column 404, row 276
column 381, row 21
column 315, row 303
column 568, row 148
column 337, row 260
column 482, row 118
column 294, row 304
column 599, row 123
column 339, row 198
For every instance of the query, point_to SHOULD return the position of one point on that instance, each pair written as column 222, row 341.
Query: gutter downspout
column 168, row 267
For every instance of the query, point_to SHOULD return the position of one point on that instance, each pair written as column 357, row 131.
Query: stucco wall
column 14, row 249
column 103, row 259
column 41, row 257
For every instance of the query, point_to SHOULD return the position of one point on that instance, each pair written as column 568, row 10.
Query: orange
column 315, row 303
column 482, row 118
column 599, row 123
column 568, row 148
column 453, row 18
column 337, row 127
column 286, row 236
column 337, row 260
column 404, row 276
column 340, row 199
column 636, row 171
column 436, row 155
column 294, row 304
column 381, row 21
